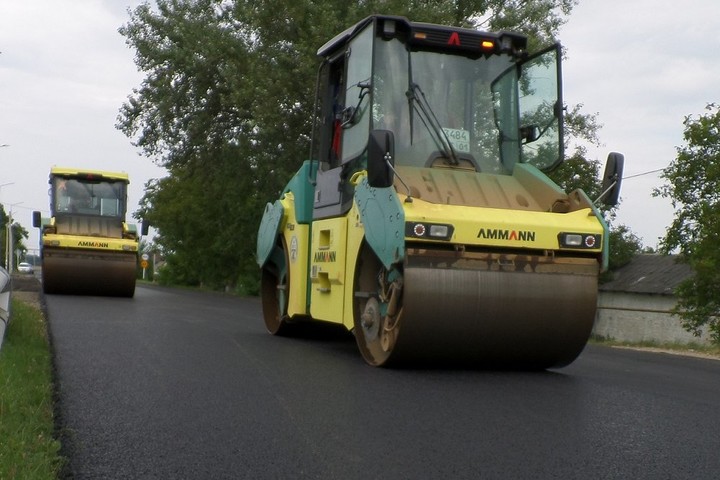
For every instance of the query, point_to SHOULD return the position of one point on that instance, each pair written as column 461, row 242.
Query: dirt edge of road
column 26, row 288
column 684, row 353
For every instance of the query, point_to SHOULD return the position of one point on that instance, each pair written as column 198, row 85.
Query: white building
column 635, row 306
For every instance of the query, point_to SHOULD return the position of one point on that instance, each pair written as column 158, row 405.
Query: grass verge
column 28, row 448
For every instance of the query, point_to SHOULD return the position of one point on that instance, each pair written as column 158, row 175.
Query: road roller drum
column 468, row 310
column 89, row 273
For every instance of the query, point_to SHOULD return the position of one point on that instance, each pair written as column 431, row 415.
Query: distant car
column 24, row 267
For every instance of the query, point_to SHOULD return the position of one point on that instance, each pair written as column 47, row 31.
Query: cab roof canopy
column 88, row 174
column 431, row 36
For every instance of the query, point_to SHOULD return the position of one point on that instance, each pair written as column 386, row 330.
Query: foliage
column 29, row 449
column 578, row 172
column 227, row 107
column 694, row 189
column 19, row 234
column 194, row 115
column 624, row 245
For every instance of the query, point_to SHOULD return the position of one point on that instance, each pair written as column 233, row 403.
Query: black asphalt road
column 175, row 384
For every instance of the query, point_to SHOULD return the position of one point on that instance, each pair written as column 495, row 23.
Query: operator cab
column 88, row 195
column 443, row 97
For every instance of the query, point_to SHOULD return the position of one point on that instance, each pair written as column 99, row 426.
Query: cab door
column 346, row 125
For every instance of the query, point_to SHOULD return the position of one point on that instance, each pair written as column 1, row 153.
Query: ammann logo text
column 496, row 234
column 324, row 257
column 93, row 244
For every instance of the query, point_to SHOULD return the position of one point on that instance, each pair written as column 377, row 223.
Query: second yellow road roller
column 425, row 221
column 87, row 248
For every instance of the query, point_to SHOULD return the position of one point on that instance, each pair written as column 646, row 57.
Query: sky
column 641, row 65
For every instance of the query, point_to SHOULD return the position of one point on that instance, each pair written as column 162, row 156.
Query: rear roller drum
column 275, row 285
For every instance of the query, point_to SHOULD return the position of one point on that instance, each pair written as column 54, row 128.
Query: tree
column 19, row 233
column 624, row 245
column 227, row 107
column 194, row 115
column 694, row 188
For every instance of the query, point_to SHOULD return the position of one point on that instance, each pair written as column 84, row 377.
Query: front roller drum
column 89, row 273
column 500, row 319
column 527, row 315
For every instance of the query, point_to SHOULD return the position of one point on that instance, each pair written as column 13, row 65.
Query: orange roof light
column 420, row 35
column 487, row 45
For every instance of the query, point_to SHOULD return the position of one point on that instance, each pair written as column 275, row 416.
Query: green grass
column 28, row 448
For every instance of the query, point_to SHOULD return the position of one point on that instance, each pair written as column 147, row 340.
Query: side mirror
column 529, row 133
column 144, row 228
column 612, row 178
column 37, row 219
column 380, row 158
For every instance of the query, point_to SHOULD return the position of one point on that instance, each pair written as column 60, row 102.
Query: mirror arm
column 387, row 159
column 612, row 185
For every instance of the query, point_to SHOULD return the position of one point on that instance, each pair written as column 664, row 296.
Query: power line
column 644, row 173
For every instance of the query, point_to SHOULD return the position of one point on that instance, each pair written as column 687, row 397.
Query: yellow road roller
column 87, row 248
column 424, row 221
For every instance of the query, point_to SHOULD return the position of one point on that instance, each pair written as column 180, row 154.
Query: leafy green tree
column 694, row 188
column 624, row 245
column 193, row 114
column 19, row 234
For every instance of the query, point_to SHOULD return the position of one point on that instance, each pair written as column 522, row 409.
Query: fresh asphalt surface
column 175, row 384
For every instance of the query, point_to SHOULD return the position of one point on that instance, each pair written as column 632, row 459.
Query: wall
column 631, row 317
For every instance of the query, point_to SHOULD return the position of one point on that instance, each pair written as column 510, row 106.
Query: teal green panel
column 269, row 228
column 302, row 186
column 606, row 231
column 384, row 221
column 606, row 237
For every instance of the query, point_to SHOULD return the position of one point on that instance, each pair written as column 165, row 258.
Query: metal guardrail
column 5, row 290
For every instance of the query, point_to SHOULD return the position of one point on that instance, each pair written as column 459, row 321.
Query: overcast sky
column 641, row 65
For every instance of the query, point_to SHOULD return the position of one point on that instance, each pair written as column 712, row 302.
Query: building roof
column 649, row 273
